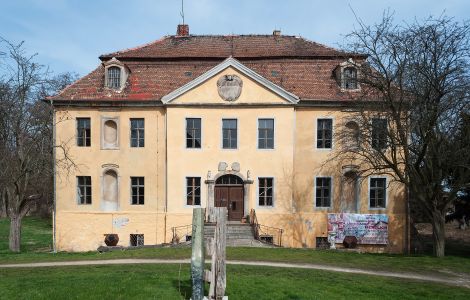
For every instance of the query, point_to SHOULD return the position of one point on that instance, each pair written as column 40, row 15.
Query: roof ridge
column 136, row 47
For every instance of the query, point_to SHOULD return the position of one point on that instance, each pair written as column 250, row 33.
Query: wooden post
column 218, row 270
column 197, row 257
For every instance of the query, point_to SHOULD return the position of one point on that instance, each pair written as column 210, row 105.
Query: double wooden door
column 232, row 198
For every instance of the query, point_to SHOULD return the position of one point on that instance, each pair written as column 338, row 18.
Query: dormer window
column 115, row 74
column 114, row 78
column 347, row 75
column 349, row 80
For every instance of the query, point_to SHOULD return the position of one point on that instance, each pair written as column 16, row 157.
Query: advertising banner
column 367, row 228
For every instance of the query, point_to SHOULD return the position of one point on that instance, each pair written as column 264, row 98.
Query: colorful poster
column 367, row 228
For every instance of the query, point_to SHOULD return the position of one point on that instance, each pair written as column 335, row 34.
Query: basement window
column 322, row 242
column 137, row 240
column 269, row 239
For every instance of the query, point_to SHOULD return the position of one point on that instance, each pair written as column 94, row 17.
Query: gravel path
column 462, row 281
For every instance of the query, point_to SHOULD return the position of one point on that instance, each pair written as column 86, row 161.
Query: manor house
column 248, row 122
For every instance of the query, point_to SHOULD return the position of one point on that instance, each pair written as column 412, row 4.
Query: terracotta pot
column 350, row 242
column 111, row 239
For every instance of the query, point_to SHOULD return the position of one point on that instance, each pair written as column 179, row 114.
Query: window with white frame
column 349, row 78
column 114, row 77
column 193, row 133
column 265, row 191
column 137, row 133
column 84, row 189
column 229, row 134
column 378, row 193
column 324, row 133
column 137, row 190
column 323, row 191
column 265, row 133
column 193, row 190
column 83, row 132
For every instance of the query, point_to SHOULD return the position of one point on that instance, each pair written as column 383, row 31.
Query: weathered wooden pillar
column 218, row 245
column 197, row 256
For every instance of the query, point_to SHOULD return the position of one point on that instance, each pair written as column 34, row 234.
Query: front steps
column 238, row 235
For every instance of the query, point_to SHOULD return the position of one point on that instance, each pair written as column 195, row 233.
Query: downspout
column 166, row 172
column 54, row 185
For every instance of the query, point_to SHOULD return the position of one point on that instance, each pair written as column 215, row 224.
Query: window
column 379, row 134
column 229, row 134
column 265, row 191
column 137, row 133
column 377, row 193
column 323, row 192
column 193, row 190
column 265, row 133
column 193, row 133
column 114, row 78
column 324, row 133
column 136, row 240
column 84, row 189
column 137, row 190
column 349, row 77
column 83, row 132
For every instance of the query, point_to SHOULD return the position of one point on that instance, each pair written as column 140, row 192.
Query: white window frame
column 332, row 133
column 386, row 194
column 185, row 146
column 77, row 189
column 274, row 193
column 130, row 133
column 274, row 134
column 315, row 193
column 222, row 134
column 185, row 186
column 130, row 192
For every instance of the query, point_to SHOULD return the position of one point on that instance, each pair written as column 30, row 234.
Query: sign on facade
column 367, row 228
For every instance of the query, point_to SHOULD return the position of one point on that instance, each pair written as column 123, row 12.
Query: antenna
column 182, row 10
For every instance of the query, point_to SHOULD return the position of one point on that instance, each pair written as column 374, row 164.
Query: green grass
column 243, row 282
column 37, row 239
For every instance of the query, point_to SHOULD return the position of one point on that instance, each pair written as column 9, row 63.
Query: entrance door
column 232, row 198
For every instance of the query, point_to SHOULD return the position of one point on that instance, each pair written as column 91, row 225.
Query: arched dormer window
column 115, row 75
column 349, row 80
column 347, row 75
column 114, row 78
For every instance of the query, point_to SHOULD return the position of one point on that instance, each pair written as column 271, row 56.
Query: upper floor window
column 137, row 133
column 229, row 133
column 377, row 193
column 323, row 191
column 114, row 77
column 265, row 133
column 83, row 132
column 137, row 190
column 84, row 189
column 265, row 191
column 193, row 190
column 193, row 133
column 324, row 133
column 349, row 78
column 379, row 134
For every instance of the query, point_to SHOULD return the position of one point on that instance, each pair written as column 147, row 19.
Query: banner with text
column 367, row 228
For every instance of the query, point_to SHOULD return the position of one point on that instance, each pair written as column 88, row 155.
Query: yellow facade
column 165, row 162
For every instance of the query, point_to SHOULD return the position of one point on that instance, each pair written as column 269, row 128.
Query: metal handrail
column 264, row 229
column 180, row 231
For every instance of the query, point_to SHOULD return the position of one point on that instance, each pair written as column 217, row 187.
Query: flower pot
column 111, row 239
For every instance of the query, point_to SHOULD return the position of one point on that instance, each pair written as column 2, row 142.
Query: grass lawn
column 243, row 282
column 37, row 240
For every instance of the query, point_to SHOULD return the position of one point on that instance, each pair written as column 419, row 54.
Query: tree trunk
column 438, row 234
column 15, row 233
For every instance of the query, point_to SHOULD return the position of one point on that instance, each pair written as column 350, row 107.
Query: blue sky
column 69, row 35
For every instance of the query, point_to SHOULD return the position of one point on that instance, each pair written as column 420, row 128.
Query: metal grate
column 322, row 242
column 137, row 240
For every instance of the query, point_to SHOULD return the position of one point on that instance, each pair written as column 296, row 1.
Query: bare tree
column 413, row 87
column 26, row 148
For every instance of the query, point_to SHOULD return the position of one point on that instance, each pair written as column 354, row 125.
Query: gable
column 255, row 89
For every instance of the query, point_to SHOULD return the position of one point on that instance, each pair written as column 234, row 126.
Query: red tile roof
column 301, row 67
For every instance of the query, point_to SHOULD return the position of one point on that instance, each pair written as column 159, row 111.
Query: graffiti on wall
column 367, row 228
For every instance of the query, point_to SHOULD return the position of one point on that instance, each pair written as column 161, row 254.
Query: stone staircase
column 238, row 235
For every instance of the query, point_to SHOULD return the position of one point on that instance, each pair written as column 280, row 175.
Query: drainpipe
column 54, row 185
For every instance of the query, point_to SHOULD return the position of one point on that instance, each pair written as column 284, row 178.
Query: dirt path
column 454, row 280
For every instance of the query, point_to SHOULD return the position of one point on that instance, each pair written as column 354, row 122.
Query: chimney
column 182, row 30
column 276, row 32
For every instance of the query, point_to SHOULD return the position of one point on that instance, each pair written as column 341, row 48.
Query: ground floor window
column 137, row 190
column 193, row 190
column 84, row 189
column 323, row 191
column 377, row 193
column 265, row 191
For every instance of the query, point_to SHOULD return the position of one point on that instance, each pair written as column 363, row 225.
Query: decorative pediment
column 230, row 82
